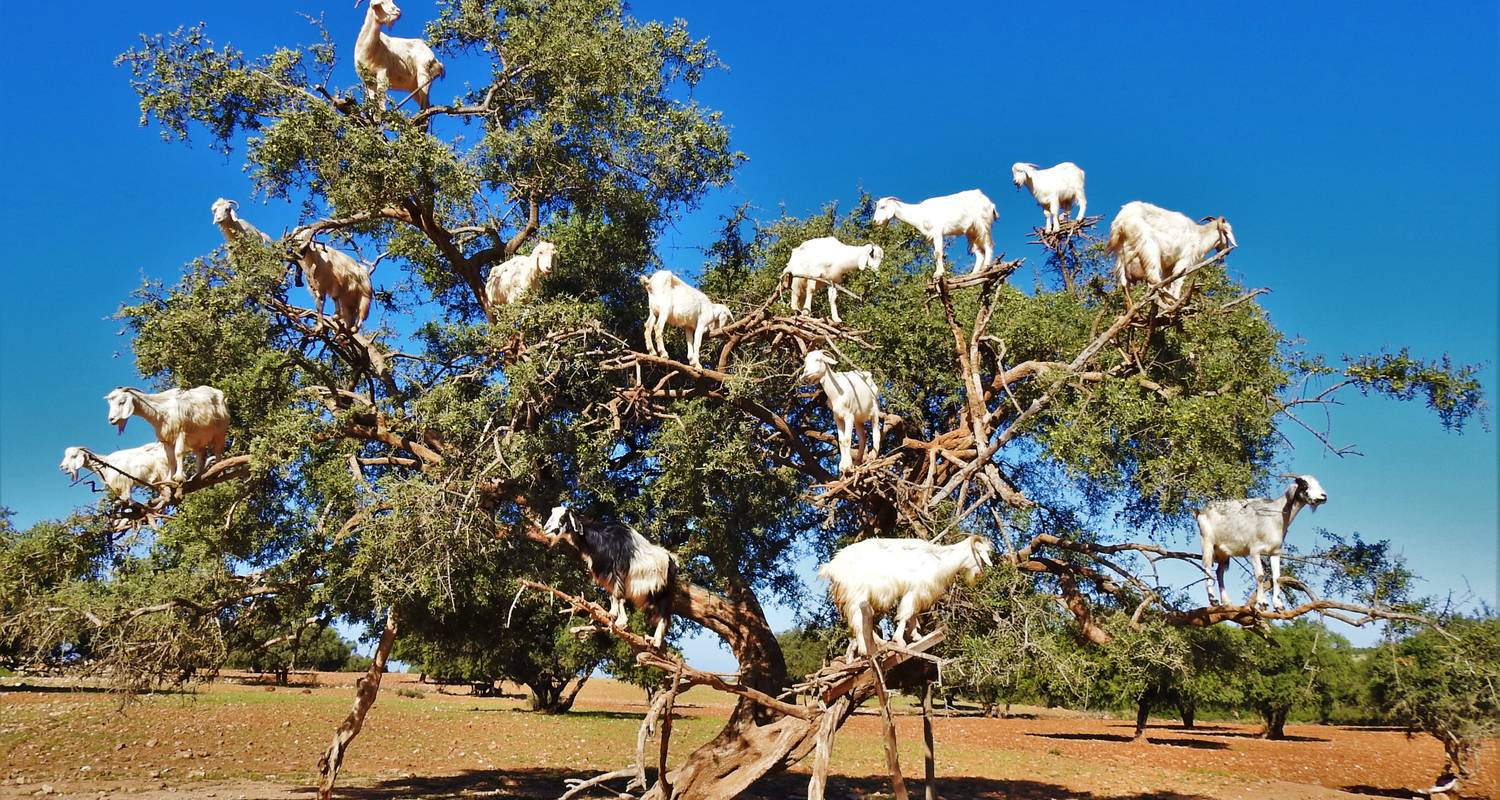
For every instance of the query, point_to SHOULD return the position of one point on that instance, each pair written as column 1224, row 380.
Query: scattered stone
column 119, row 746
column 46, row 788
column 150, row 742
column 188, row 753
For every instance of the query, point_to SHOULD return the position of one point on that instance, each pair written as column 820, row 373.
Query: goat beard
column 120, row 426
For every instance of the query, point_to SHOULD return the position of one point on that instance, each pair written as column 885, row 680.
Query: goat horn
column 1288, row 475
column 1208, row 219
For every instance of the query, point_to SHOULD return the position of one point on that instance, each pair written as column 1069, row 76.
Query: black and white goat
column 623, row 563
column 1254, row 527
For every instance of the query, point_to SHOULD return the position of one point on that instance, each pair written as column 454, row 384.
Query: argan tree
column 383, row 475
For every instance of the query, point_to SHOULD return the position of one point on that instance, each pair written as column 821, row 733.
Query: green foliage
column 272, row 649
column 1444, row 683
column 807, row 648
column 1300, row 663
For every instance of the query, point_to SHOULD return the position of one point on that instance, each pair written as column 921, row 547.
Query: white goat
column 1056, row 189
column 827, row 260
column 853, row 399
column 334, row 273
column 390, row 62
column 232, row 226
column 1253, row 527
column 969, row 214
column 185, row 420
column 1153, row 244
column 673, row 302
column 510, row 281
column 623, row 563
column 871, row 577
column 121, row 469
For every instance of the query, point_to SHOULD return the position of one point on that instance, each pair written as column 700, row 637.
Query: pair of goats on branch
column 330, row 273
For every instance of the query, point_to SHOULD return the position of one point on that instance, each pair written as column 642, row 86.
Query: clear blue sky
column 1353, row 146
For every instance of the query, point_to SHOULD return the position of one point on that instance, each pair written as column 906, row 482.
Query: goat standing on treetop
column 391, row 62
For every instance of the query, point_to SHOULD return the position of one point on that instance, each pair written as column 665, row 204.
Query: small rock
column 185, row 753
column 307, row 691
column 150, row 742
column 286, row 723
column 119, row 746
column 45, row 789
column 155, row 773
column 270, row 688
column 85, row 768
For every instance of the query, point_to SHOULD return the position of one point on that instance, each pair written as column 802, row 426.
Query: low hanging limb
column 649, row 656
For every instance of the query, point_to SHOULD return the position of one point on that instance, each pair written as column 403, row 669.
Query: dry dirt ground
column 237, row 741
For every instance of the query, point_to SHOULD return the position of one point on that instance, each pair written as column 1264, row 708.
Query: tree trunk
column 1275, row 722
column 1188, row 710
column 364, row 697
column 1142, row 712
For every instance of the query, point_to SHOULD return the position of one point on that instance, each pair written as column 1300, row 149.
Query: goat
column 853, row 399
column 510, row 281
column 1056, row 189
column 968, row 213
column 122, row 470
column 185, row 420
column 390, row 62
column 1254, row 526
column 827, row 260
column 333, row 273
column 623, row 563
column 232, row 226
column 1153, row 244
column 673, row 302
column 871, row 577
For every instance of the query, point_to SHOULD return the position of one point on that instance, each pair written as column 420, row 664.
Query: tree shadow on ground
column 1244, row 735
column 547, row 784
column 1376, row 791
column 1199, row 744
column 32, row 688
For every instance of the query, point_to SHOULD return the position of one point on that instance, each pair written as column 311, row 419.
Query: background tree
column 388, row 476
column 1444, row 683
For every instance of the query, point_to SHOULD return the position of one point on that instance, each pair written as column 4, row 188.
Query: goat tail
column 1116, row 239
column 437, row 71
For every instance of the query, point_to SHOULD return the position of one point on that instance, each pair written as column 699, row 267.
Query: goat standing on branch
column 854, row 401
column 390, row 62
column 186, row 421
column 623, row 563
column 1153, row 244
column 1253, row 527
column 333, row 273
column 509, row 282
column 826, row 260
column 871, row 577
column 122, row 470
column 1057, row 190
column 969, row 214
column 673, row 302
